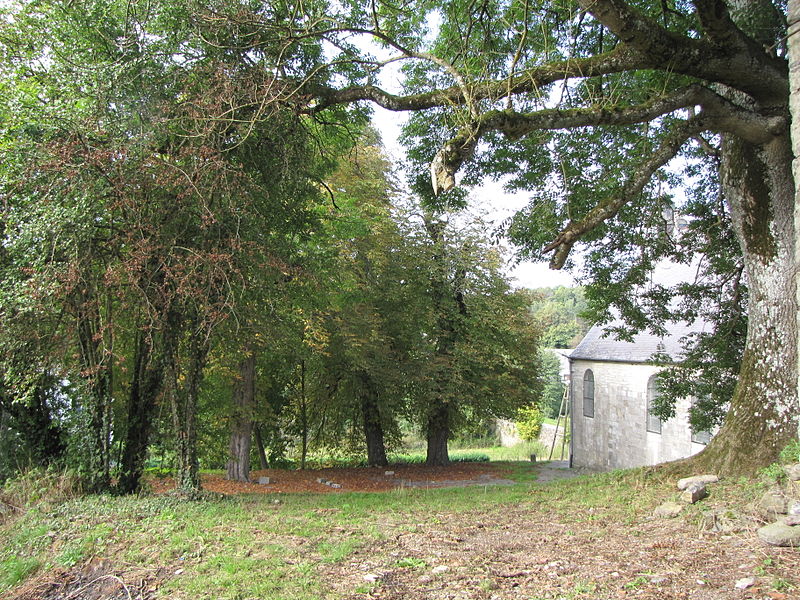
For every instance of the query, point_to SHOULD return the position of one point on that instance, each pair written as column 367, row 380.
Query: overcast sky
column 489, row 198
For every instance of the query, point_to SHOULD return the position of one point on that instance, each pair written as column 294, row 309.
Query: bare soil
column 360, row 479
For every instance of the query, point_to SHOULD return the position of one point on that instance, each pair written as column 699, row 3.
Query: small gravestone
column 263, row 480
column 389, row 473
column 533, row 458
column 703, row 479
column 336, row 486
column 780, row 534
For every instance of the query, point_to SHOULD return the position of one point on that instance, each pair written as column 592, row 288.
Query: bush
column 529, row 422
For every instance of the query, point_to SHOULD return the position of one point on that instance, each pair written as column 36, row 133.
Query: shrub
column 529, row 422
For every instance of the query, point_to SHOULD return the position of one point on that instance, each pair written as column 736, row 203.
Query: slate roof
column 594, row 346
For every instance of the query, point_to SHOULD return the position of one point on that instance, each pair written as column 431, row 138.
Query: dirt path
column 373, row 479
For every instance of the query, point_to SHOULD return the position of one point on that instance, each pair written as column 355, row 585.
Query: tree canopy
column 167, row 168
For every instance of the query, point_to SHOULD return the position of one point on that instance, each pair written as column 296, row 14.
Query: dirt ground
column 362, row 479
column 533, row 551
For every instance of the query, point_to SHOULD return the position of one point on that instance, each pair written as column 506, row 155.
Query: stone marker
column 668, row 510
column 322, row 480
column 704, row 479
column 336, row 486
column 793, row 472
column 780, row 534
column 694, row 492
column 263, row 480
column 743, row 584
column 389, row 473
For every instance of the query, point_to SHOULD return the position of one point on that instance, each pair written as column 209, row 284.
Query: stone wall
column 617, row 437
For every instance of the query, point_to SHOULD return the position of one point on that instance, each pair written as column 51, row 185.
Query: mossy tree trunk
column 764, row 413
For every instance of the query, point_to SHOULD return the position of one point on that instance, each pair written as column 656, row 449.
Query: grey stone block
column 264, row 480
column 694, row 493
column 771, row 504
column 780, row 534
column 704, row 479
column 793, row 472
column 336, row 486
column 668, row 510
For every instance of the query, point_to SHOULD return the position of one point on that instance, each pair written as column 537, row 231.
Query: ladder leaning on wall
column 563, row 412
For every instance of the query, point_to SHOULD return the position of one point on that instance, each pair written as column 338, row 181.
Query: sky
column 489, row 198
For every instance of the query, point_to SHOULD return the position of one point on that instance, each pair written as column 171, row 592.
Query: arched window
column 653, row 422
column 588, row 393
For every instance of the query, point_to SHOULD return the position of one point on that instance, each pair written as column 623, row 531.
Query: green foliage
column 559, row 312
column 529, row 422
column 791, row 453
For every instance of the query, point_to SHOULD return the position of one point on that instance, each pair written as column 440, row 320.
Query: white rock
column 440, row 569
column 743, row 584
column 372, row 577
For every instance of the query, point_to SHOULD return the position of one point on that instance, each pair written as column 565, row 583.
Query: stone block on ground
column 694, row 492
column 264, row 480
column 322, row 480
column 794, row 507
column 780, row 534
column 389, row 473
column 772, row 504
column 668, row 510
column 336, row 486
column 792, row 472
column 743, row 584
column 792, row 520
column 704, row 479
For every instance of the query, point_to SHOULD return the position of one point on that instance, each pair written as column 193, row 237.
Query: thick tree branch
column 620, row 59
column 668, row 149
column 740, row 62
column 720, row 114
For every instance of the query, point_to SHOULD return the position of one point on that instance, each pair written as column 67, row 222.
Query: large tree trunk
column 146, row 383
column 764, row 413
column 438, row 433
column 373, row 427
column 242, row 422
column 794, row 108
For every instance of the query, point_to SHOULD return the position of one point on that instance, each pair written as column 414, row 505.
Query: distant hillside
column 558, row 311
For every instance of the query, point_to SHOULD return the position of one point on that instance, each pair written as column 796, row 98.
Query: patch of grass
column 411, row 562
column 16, row 569
column 336, row 551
